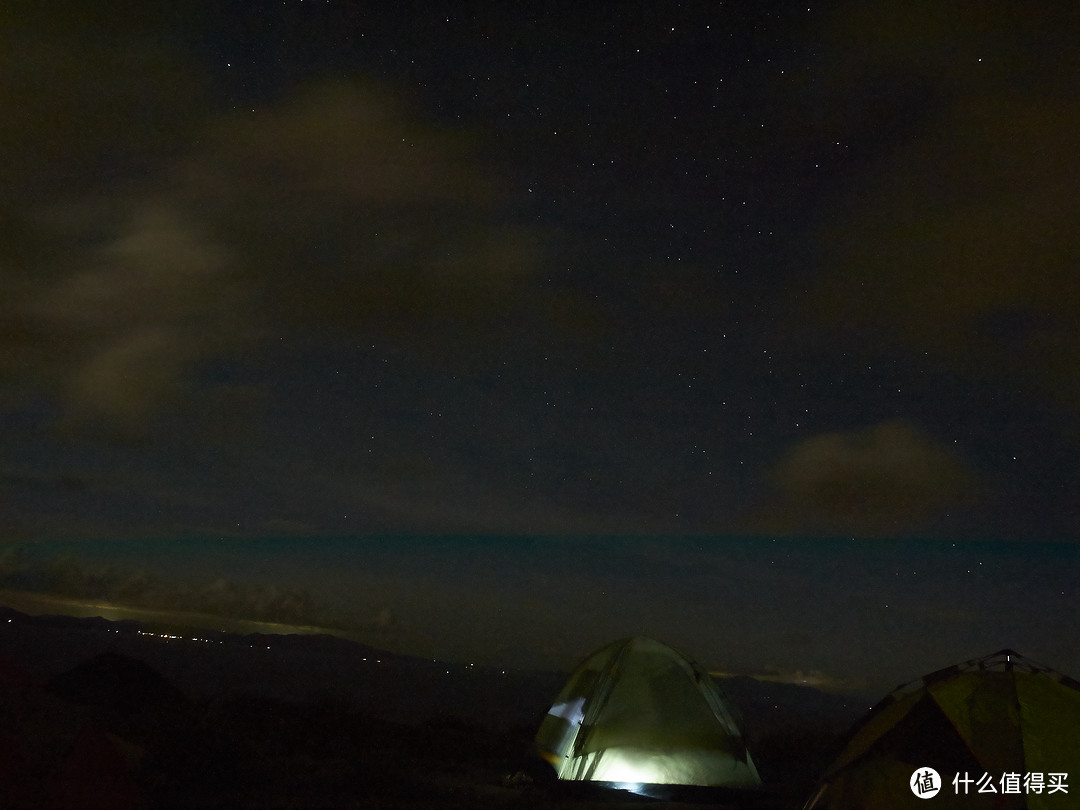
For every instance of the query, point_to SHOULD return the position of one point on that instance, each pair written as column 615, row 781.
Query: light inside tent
column 628, row 765
column 643, row 766
column 572, row 711
column 638, row 714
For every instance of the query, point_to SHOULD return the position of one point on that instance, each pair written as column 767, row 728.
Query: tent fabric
column 55, row 754
column 120, row 686
column 637, row 711
column 994, row 715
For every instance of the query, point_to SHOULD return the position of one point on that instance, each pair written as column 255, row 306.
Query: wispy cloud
column 891, row 479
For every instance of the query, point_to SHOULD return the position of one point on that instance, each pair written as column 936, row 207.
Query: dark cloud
column 301, row 303
column 956, row 243
column 71, row 577
column 333, row 211
column 891, row 479
column 87, row 93
column 110, row 293
column 128, row 319
column 93, row 101
column 352, row 212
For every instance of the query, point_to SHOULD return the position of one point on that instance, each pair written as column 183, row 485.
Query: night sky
column 503, row 330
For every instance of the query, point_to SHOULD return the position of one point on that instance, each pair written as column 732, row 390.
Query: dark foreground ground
column 92, row 715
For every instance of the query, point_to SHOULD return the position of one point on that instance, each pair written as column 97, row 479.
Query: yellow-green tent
column 637, row 712
column 1009, row 725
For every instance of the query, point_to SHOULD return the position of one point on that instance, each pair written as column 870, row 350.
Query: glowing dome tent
column 997, row 715
column 637, row 712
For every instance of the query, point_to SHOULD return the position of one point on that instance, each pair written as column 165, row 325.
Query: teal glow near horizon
column 732, row 603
